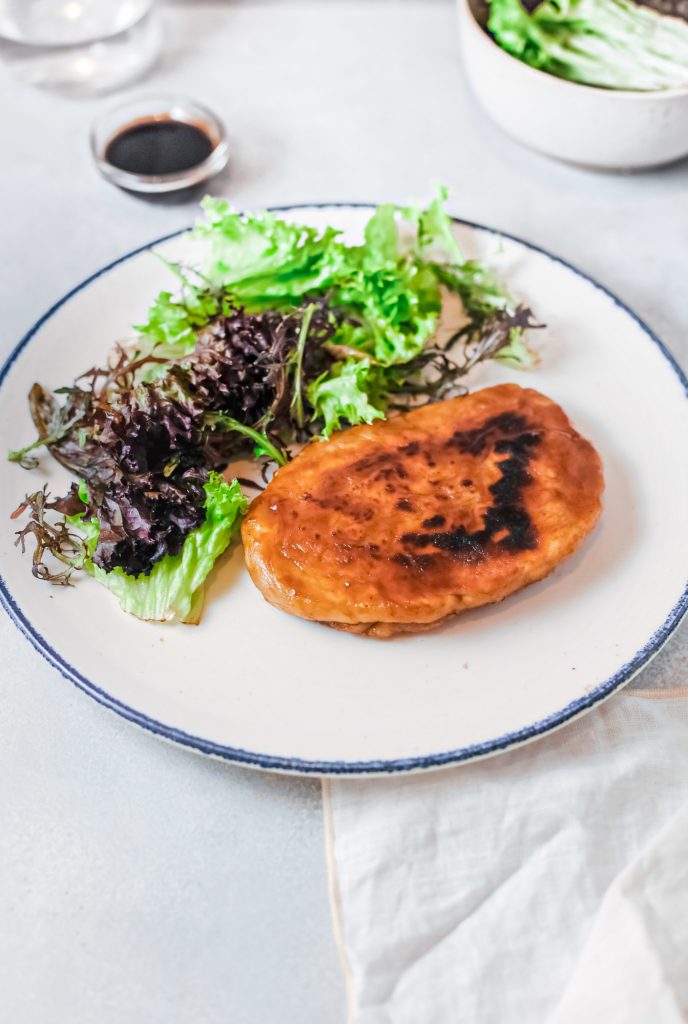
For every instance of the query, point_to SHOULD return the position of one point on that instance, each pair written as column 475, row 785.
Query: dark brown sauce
column 159, row 146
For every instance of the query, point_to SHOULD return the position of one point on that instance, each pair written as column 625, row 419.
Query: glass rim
column 13, row 35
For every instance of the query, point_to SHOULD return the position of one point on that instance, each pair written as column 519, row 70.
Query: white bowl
column 614, row 129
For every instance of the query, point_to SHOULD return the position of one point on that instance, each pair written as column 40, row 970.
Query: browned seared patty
column 393, row 527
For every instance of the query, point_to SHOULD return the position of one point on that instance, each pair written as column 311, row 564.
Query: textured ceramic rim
column 299, row 766
column 622, row 94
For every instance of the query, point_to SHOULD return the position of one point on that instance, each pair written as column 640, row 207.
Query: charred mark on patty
column 475, row 441
column 433, row 521
column 382, row 465
column 506, row 523
column 361, row 512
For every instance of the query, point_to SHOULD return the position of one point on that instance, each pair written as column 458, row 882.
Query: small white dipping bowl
column 612, row 129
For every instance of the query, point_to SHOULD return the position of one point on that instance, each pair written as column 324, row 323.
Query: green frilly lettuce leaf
column 385, row 286
column 261, row 259
column 345, row 395
column 387, row 292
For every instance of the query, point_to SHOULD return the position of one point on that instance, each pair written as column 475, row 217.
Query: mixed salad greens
column 281, row 333
column 617, row 44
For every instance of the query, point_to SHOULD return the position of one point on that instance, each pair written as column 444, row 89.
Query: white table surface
column 139, row 882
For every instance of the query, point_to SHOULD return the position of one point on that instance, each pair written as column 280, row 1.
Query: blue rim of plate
column 295, row 765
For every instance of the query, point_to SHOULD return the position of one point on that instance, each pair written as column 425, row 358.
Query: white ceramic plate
column 261, row 688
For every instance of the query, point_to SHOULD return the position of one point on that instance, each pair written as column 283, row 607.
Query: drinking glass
column 79, row 46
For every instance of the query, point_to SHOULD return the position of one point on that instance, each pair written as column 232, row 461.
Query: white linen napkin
column 549, row 884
